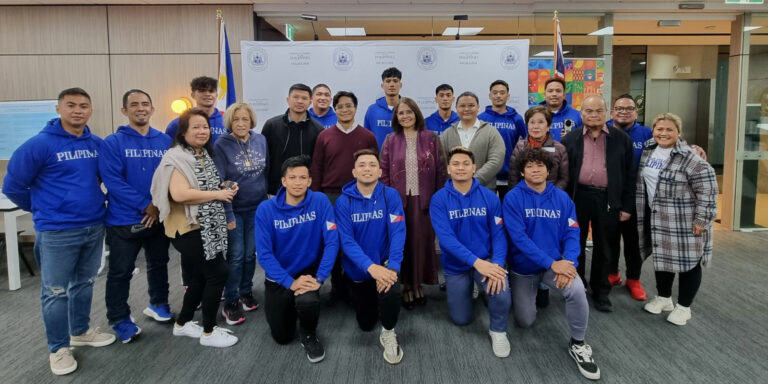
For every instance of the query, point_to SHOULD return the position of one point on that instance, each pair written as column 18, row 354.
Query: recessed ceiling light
column 548, row 53
column 464, row 31
column 602, row 32
column 751, row 28
column 346, row 31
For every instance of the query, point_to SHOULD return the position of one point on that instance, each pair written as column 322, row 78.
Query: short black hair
column 131, row 92
column 391, row 72
column 499, row 82
column 555, row 80
column 625, row 96
column 364, row 152
column 204, row 83
column 300, row 87
column 467, row 94
column 74, row 92
column 443, row 87
column 295, row 162
column 535, row 155
column 341, row 94
column 459, row 150
column 321, row 85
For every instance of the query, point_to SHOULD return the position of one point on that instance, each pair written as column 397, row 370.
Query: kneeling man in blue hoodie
column 467, row 221
column 544, row 248
column 297, row 242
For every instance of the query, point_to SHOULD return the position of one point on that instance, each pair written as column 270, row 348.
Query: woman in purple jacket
column 413, row 162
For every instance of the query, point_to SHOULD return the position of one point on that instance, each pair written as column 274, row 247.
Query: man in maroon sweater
column 333, row 161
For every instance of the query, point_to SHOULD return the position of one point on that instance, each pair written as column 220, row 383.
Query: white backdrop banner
column 270, row 68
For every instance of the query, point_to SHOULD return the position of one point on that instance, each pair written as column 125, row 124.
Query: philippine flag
column 573, row 223
column 330, row 226
column 395, row 218
column 498, row 220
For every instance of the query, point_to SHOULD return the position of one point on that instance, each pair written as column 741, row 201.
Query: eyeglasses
column 624, row 109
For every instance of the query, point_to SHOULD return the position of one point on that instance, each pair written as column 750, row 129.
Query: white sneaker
column 219, row 338
column 500, row 343
column 189, row 329
column 393, row 354
column 680, row 315
column 62, row 362
column 659, row 304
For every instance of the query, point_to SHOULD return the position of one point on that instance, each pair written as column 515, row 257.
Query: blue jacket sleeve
column 571, row 243
column 330, row 242
column 367, row 120
column 513, row 220
column 111, row 168
column 266, row 251
column 22, row 170
column 498, row 236
column 448, row 241
column 221, row 161
column 396, row 230
column 171, row 129
column 522, row 129
column 347, row 234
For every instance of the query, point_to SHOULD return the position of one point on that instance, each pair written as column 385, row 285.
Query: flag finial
column 218, row 14
column 555, row 15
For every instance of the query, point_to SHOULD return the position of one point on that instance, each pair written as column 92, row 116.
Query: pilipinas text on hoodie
column 468, row 227
column 436, row 123
column 378, row 119
column 55, row 175
column 565, row 120
column 511, row 126
column 639, row 135
column 290, row 239
column 542, row 228
column 247, row 165
column 215, row 122
column 127, row 162
column 372, row 230
column 328, row 120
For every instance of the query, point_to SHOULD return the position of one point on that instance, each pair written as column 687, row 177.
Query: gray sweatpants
column 524, row 300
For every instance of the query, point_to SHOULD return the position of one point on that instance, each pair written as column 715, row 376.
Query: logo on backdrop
column 342, row 58
column 257, row 59
column 510, row 58
column 426, row 58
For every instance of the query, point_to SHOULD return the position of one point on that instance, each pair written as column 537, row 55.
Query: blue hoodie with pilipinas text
column 215, row 123
column 127, row 162
column 565, row 120
column 511, row 126
column 290, row 239
column 542, row 228
column 55, row 175
column 328, row 120
column 639, row 135
column 378, row 119
column 372, row 229
column 436, row 123
column 468, row 227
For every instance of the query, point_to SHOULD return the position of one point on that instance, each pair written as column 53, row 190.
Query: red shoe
column 615, row 279
column 636, row 289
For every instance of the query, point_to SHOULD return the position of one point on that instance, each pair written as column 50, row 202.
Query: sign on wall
column 269, row 69
column 582, row 77
column 20, row 120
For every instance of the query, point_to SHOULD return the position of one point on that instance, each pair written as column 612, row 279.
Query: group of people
column 508, row 197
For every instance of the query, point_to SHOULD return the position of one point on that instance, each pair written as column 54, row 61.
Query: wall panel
column 45, row 30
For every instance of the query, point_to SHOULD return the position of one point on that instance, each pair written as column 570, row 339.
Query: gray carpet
column 726, row 342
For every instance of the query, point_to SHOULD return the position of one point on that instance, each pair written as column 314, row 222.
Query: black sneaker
column 603, row 303
column 542, row 298
column 232, row 313
column 249, row 302
column 582, row 354
column 313, row 347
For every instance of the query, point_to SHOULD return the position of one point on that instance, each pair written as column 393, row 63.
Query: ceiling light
column 346, row 31
column 465, row 31
column 607, row 31
column 751, row 28
column 549, row 53
column 309, row 17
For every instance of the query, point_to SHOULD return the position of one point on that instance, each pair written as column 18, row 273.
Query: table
column 10, row 213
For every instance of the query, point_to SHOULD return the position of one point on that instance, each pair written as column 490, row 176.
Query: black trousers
column 282, row 309
column 502, row 190
column 632, row 258
column 592, row 208
column 203, row 278
column 689, row 285
column 370, row 305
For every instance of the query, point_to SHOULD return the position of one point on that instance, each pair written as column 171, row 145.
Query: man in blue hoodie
column 55, row 175
column 127, row 162
column 296, row 242
column 510, row 125
column 444, row 117
column 205, row 91
column 378, row 117
column 544, row 248
column 321, row 109
column 564, row 118
column 365, row 211
column 467, row 221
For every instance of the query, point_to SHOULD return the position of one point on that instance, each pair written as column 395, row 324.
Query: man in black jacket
column 290, row 134
column 602, row 185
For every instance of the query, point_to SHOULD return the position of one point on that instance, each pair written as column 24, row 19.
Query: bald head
column 593, row 112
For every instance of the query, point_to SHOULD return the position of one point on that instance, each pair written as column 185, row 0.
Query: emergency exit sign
column 744, row 1
column 289, row 29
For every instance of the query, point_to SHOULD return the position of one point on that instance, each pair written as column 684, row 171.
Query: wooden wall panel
column 53, row 30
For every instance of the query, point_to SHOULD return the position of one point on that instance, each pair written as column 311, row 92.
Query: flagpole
column 218, row 41
column 554, row 50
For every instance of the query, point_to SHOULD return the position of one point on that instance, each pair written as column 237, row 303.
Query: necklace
column 245, row 151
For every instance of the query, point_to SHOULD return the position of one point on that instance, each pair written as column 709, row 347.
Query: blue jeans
column 459, row 296
column 122, row 261
column 241, row 257
column 69, row 260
